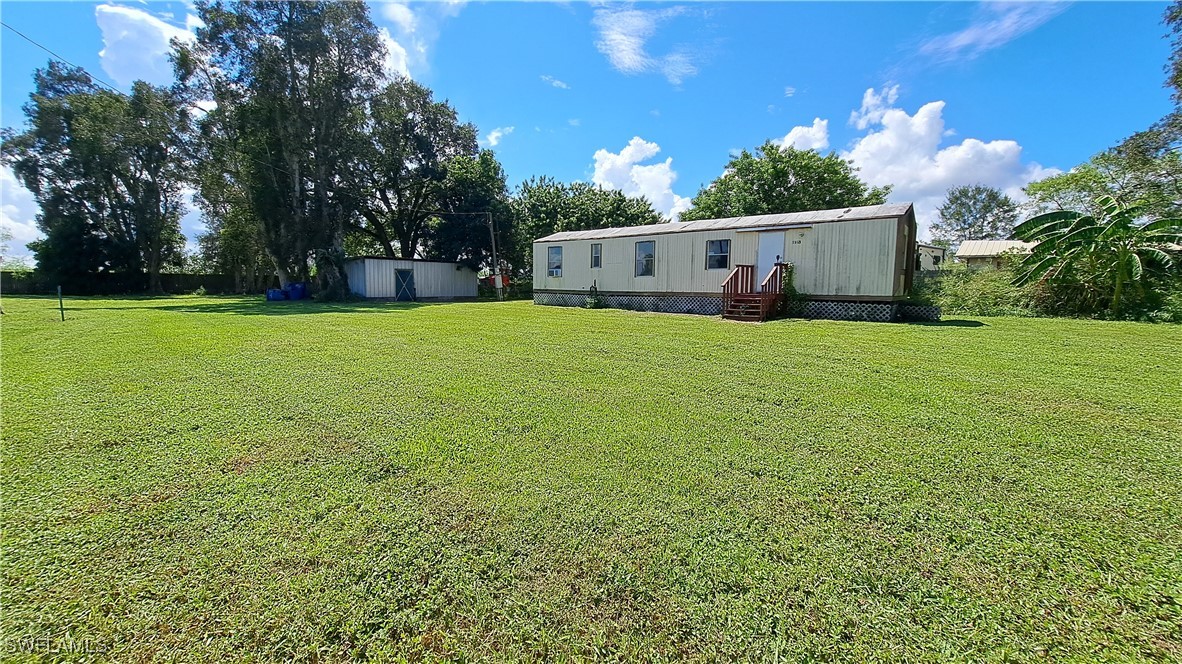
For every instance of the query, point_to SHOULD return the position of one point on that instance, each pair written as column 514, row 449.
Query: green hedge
column 990, row 292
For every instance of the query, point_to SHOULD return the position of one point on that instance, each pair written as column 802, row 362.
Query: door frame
column 404, row 283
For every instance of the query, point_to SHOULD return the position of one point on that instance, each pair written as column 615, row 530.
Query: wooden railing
column 739, row 290
column 774, row 281
column 740, row 280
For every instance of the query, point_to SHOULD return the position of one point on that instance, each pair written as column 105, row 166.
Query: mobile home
column 409, row 279
column 851, row 263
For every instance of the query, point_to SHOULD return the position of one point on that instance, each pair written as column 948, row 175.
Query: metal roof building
column 853, row 256
column 763, row 222
column 991, row 248
column 409, row 279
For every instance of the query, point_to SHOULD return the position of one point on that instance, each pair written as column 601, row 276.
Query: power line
column 112, row 88
column 61, row 59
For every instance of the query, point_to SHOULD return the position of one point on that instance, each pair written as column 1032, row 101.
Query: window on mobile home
column 646, row 256
column 554, row 261
column 596, row 255
column 718, row 254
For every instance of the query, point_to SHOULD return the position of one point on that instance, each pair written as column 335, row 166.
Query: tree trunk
column 284, row 276
column 155, row 285
column 1120, row 282
column 330, row 271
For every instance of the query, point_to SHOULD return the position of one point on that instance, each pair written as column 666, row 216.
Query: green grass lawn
column 201, row 478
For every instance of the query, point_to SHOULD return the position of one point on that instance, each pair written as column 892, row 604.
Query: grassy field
column 201, row 478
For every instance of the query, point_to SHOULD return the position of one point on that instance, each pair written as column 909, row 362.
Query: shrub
column 991, row 292
column 985, row 292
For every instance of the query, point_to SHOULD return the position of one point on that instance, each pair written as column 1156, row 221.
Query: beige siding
column 432, row 280
column 851, row 259
column 680, row 264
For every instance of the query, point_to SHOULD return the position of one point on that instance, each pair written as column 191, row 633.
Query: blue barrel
column 297, row 290
column 275, row 294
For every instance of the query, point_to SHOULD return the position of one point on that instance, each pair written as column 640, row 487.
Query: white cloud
column 136, row 43
column 622, row 37
column 874, row 105
column 789, row 91
column 415, row 31
column 192, row 21
column 814, row 137
column 995, row 24
column 555, row 82
column 904, row 150
column 396, row 56
column 493, row 138
column 18, row 213
column 201, row 107
column 624, row 171
column 401, row 15
column 574, row 122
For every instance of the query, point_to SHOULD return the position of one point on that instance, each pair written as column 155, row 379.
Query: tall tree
column 974, row 212
column 542, row 206
column 1149, row 178
column 107, row 171
column 474, row 196
column 780, row 179
column 290, row 80
column 1151, row 156
column 399, row 178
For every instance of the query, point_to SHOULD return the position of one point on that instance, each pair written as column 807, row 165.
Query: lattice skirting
column 711, row 305
column 881, row 312
column 706, row 305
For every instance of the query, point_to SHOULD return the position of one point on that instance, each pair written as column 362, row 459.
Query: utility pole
column 496, row 266
column 492, row 234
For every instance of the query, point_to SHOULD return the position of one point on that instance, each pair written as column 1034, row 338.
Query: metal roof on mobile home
column 750, row 223
column 991, row 248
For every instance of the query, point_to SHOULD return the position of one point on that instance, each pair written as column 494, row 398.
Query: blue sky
column 651, row 98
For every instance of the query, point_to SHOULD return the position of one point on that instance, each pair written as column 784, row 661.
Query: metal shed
column 409, row 279
column 848, row 263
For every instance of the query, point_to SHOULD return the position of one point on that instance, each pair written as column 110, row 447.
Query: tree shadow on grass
column 947, row 323
column 281, row 308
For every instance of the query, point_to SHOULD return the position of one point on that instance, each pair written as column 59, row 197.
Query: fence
column 114, row 283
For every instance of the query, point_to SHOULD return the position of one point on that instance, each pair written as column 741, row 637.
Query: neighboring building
column 988, row 253
column 929, row 257
column 409, row 279
column 850, row 263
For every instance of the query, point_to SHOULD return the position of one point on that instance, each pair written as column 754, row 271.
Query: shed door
column 404, row 285
column 771, row 251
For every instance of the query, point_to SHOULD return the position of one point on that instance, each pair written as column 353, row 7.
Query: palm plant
column 1110, row 247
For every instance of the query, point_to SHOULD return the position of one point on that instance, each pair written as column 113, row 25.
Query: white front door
column 771, row 251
